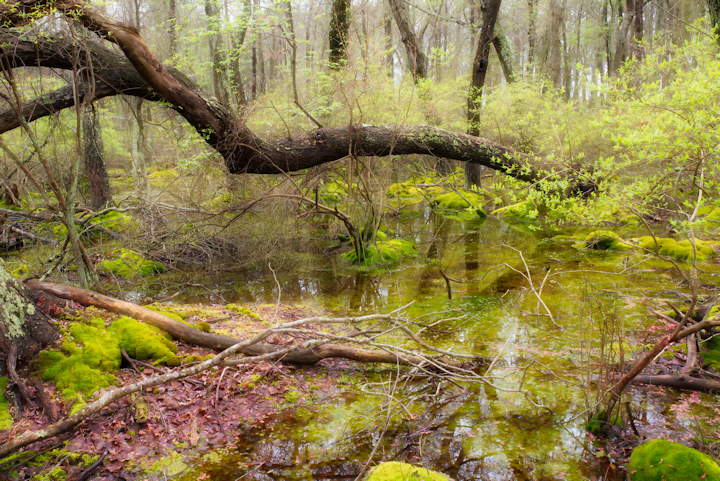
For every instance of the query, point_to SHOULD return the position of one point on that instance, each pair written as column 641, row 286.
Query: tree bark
column 417, row 61
column 479, row 71
column 215, row 44
column 94, row 160
column 339, row 33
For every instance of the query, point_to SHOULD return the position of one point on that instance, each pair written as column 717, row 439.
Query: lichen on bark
column 13, row 305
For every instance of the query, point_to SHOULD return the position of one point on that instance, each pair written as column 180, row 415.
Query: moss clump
column 54, row 474
column 396, row 471
column 466, row 202
column 660, row 460
column 389, row 251
column 112, row 220
column 682, row 250
column 129, row 264
column 524, row 211
column 711, row 355
column 142, row 341
column 605, row 240
column 244, row 310
column 84, row 364
column 405, row 193
column 6, row 418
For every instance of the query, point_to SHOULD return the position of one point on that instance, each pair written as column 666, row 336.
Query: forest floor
column 153, row 433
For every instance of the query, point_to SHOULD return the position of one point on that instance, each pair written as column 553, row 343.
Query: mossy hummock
column 130, row 264
column 605, row 240
column 661, row 460
column 682, row 250
column 397, row 471
column 465, row 201
column 383, row 252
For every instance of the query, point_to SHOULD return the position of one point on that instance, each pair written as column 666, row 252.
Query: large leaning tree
column 130, row 68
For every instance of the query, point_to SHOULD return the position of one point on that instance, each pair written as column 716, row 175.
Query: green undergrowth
column 383, row 252
column 711, row 354
column 6, row 418
column 129, row 264
column 397, row 471
column 660, row 460
column 90, row 355
column 46, row 466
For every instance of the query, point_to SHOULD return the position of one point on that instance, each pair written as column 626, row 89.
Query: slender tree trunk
column 172, row 28
column 94, row 162
column 137, row 150
column 477, row 83
column 339, row 33
column 638, row 26
column 417, row 61
column 215, row 44
column 389, row 49
column 504, row 53
column 238, row 40
column 531, row 33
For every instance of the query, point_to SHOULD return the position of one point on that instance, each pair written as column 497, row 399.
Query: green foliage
column 6, row 419
column 660, row 460
column 397, row 471
column 383, row 252
column 681, row 250
column 84, row 364
column 142, row 341
column 130, row 264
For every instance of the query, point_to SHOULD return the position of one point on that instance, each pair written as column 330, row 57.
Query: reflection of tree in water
column 434, row 255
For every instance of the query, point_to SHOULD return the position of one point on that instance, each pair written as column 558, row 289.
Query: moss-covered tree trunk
column 339, row 31
column 714, row 8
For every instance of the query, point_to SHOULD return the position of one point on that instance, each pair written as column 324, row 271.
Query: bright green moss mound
column 711, row 354
column 112, row 220
column 464, row 202
column 660, row 460
column 6, row 419
column 142, row 341
column 524, row 211
column 129, row 264
column 605, row 240
column 84, row 364
column 244, row 310
column 389, row 251
column 682, row 250
column 396, row 471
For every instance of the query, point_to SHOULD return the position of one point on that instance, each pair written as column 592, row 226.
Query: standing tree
column 417, row 61
column 339, row 31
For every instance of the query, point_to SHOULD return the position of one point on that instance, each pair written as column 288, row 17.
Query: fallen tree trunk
column 190, row 335
column 680, row 381
column 140, row 73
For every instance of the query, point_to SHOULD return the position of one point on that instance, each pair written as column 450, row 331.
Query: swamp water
column 527, row 422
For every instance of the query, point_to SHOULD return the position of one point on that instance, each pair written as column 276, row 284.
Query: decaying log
column 190, row 335
column 680, row 381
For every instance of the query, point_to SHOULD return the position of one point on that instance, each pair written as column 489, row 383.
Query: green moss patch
column 84, row 364
column 660, row 460
column 711, row 354
column 605, row 240
column 6, row 418
column 396, row 471
column 388, row 251
column 682, row 250
column 244, row 311
column 525, row 211
column 91, row 354
column 130, row 264
column 461, row 205
column 142, row 341
column 112, row 220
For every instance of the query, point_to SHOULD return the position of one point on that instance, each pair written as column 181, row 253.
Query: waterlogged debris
column 396, row 471
column 130, row 264
column 660, row 460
